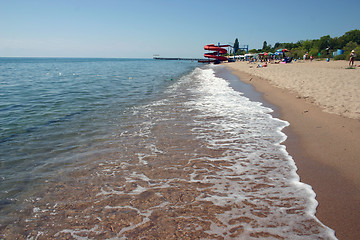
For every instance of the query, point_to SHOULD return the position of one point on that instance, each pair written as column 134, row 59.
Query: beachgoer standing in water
column 352, row 57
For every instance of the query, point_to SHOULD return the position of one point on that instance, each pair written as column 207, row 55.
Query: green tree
column 352, row 36
column 334, row 43
column 298, row 52
column 307, row 44
column 240, row 52
column 254, row 51
column 236, row 45
column 264, row 46
column 350, row 46
column 325, row 46
column 324, row 42
column 314, row 52
column 276, row 46
column 325, row 53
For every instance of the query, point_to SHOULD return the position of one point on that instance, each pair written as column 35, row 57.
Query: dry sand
column 321, row 100
column 329, row 84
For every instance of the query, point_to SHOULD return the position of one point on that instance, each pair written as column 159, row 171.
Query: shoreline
column 324, row 148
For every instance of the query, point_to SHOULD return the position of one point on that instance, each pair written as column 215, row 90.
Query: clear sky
column 171, row 28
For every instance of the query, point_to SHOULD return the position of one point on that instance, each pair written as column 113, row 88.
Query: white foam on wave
column 262, row 174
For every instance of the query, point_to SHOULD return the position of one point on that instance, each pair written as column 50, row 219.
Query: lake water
column 128, row 148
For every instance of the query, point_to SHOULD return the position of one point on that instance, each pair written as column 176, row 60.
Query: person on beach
column 305, row 56
column 352, row 57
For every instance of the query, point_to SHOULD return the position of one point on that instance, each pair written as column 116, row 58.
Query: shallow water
column 195, row 159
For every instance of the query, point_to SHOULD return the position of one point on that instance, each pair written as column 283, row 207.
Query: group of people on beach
column 306, row 57
column 265, row 60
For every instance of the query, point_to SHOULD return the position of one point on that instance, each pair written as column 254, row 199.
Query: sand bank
column 328, row 84
column 322, row 103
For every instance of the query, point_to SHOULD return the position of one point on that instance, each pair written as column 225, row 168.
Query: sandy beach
column 321, row 100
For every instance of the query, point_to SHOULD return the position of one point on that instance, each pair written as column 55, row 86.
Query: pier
column 186, row 59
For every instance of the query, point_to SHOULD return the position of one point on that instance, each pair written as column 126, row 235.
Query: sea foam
column 259, row 173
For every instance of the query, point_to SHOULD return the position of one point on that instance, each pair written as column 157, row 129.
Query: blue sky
column 171, row 28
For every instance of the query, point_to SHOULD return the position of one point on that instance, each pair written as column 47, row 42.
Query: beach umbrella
column 282, row 50
column 268, row 53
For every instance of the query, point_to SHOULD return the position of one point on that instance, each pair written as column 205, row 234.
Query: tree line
column 318, row 48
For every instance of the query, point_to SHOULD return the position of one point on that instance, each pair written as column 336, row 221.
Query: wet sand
column 324, row 145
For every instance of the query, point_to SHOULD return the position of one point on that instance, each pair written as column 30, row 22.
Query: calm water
column 120, row 148
column 52, row 108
